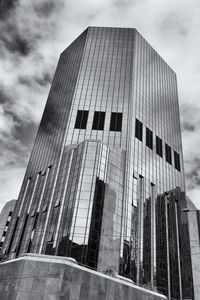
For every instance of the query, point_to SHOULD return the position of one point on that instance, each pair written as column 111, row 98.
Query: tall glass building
column 105, row 180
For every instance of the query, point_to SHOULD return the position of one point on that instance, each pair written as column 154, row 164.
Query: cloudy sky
column 32, row 35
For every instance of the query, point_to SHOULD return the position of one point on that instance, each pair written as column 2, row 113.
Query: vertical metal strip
column 40, row 202
column 33, row 193
column 25, row 192
column 43, row 189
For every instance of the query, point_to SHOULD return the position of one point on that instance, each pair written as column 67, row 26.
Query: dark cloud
column 16, row 43
column 15, row 153
column 189, row 118
column 26, row 133
column 4, row 97
column 193, row 176
column 45, row 79
column 193, row 180
column 45, row 8
column 20, row 35
column 42, row 80
column 187, row 126
column 24, row 80
column 6, row 6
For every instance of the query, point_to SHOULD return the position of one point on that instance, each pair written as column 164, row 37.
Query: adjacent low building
column 5, row 218
column 194, row 229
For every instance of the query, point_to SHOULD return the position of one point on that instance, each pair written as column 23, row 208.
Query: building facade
column 105, row 180
column 5, row 219
column 194, row 230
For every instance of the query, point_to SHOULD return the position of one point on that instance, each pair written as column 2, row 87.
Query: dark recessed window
column 168, row 154
column 138, row 129
column 4, row 233
column 81, row 119
column 116, row 122
column 159, row 146
column 177, row 161
column 98, row 121
column 7, row 223
column 149, row 138
column 10, row 213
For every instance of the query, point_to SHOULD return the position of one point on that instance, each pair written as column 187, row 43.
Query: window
column 177, row 161
column 81, row 119
column 116, row 122
column 138, row 129
column 98, row 121
column 159, row 146
column 10, row 213
column 168, row 154
column 149, row 138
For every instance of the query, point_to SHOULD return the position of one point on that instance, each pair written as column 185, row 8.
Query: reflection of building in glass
column 105, row 180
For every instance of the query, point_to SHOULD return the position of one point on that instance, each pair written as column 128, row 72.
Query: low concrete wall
column 35, row 277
